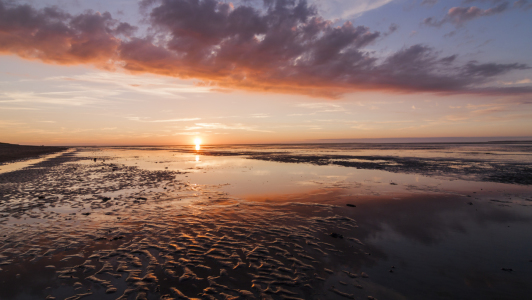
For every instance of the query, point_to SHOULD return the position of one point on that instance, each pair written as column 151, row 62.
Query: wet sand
column 12, row 152
column 156, row 224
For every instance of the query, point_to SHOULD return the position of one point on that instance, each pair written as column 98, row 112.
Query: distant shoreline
column 443, row 140
column 315, row 143
column 12, row 152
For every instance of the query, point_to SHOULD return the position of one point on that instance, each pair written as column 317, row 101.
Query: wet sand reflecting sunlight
column 269, row 222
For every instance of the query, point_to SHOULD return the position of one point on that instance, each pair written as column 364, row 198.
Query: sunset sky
column 163, row 72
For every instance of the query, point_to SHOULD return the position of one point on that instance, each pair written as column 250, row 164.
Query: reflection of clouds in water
column 432, row 220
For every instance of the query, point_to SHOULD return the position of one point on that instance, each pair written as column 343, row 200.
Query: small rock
column 507, row 269
column 351, row 205
column 470, row 203
column 364, row 275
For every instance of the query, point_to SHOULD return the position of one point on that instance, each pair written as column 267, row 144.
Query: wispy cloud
column 186, row 133
column 16, row 108
column 322, row 107
column 174, row 120
column 238, row 126
column 518, row 82
column 10, row 123
column 144, row 119
column 259, row 116
column 460, row 15
column 345, row 9
column 67, row 98
column 147, row 84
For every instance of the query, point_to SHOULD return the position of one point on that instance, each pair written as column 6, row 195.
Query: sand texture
column 11, row 152
column 77, row 227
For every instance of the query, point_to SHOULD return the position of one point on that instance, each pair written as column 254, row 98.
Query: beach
column 12, row 152
column 347, row 221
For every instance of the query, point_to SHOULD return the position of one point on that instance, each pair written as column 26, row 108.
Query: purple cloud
column 285, row 47
column 460, row 15
column 523, row 4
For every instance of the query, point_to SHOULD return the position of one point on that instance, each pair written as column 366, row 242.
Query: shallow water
column 269, row 222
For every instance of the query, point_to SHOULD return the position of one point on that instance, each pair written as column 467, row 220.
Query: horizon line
column 405, row 140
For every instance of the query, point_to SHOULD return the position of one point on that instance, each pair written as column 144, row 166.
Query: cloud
column 139, row 119
column 16, row 108
column 67, row 98
column 175, row 120
column 460, row 15
column 322, row 107
column 283, row 47
column 55, row 36
column 238, row 126
column 429, row 2
column 393, row 28
column 523, row 4
column 345, row 9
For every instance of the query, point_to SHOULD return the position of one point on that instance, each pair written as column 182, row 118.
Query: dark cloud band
column 285, row 47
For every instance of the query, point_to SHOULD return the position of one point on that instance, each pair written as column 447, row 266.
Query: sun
column 197, row 141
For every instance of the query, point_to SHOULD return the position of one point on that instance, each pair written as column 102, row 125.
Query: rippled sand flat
column 160, row 224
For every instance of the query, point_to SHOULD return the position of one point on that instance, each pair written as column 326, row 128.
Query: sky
column 165, row 72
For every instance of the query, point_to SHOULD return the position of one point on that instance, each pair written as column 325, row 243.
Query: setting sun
column 197, row 141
